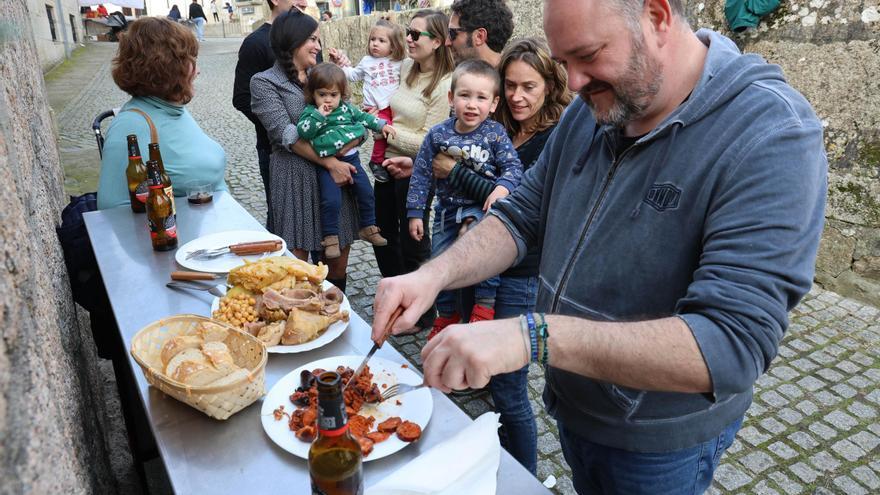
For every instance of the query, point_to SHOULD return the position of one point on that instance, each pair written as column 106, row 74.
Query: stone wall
column 830, row 52
column 50, row 432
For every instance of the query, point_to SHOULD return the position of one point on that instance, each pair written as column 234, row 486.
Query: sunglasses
column 453, row 32
column 415, row 35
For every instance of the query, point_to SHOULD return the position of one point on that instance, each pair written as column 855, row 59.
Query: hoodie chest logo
column 663, row 197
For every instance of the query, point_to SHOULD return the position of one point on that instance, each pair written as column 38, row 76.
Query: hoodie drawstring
column 654, row 171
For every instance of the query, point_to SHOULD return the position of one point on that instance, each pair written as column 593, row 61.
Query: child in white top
column 380, row 72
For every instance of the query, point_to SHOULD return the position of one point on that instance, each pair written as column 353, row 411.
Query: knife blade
column 394, row 316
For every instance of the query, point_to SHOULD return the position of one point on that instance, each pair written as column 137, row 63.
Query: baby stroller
column 117, row 23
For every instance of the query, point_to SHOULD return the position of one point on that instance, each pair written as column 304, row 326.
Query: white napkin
column 465, row 463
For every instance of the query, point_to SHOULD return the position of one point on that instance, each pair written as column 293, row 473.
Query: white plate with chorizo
column 226, row 262
column 415, row 407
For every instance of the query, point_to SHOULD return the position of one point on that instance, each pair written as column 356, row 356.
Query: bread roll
column 178, row 343
column 186, row 355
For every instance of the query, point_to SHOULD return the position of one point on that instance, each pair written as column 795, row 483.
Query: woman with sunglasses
column 420, row 103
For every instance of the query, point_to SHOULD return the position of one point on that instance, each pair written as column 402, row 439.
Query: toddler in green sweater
column 335, row 128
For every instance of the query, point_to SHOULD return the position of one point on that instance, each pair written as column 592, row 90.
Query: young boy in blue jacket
column 486, row 148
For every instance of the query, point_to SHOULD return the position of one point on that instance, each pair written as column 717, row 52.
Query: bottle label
column 169, row 227
column 332, row 420
column 142, row 191
column 170, row 192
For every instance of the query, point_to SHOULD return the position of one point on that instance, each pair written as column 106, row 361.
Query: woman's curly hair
column 534, row 53
column 156, row 57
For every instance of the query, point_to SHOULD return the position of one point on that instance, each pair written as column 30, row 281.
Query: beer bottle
column 166, row 180
column 335, row 461
column 136, row 174
column 160, row 217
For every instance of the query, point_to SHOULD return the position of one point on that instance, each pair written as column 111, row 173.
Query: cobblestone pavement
column 813, row 427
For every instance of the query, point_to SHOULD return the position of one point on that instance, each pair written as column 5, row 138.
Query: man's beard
column 467, row 53
column 633, row 90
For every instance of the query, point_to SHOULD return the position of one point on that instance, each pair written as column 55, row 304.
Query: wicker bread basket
column 218, row 402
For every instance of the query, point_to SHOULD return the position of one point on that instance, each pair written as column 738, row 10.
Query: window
column 73, row 28
column 50, row 13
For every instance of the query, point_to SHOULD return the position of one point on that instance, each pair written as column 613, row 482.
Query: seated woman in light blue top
column 156, row 64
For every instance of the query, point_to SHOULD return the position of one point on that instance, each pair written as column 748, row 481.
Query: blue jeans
column 599, row 469
column 519, row 434
column 447, row 222
column 331, row 197
column 200, row 28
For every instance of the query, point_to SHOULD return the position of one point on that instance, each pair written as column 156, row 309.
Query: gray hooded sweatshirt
column 713, row 217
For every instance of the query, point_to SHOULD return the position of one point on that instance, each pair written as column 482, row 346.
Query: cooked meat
column 360, row 425
column 366, row 445
column 254, row 327
column 288, row 299
column 389, row 425
column 409, row 431
column 331, row 300
column 378, row 436
column 306, row 433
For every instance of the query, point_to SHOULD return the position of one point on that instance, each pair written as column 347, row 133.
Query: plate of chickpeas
column 238, row 308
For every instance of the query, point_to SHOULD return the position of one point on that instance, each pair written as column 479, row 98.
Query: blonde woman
column 420, row 103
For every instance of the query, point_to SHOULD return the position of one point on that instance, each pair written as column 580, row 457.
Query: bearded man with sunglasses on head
column 479, row 29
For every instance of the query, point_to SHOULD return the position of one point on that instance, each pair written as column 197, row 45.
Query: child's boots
column 482, row 313
column 442, row 322
column 331, row 247
column 371, row 235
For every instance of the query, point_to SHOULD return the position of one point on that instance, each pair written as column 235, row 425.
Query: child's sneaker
column 379, row 172
column 371, row 235
column 481, row 313
column 442, row 322
column 331, row 247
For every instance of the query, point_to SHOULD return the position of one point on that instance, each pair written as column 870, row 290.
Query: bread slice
column 186, row 355
column 211, row 332
column 178, row 343
column 219, row 356
column 235, row 376
column 197, row 374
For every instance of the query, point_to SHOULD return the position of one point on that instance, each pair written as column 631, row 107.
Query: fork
column 400, row 389
column 214, row 290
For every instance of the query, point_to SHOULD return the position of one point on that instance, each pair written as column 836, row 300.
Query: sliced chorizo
column 306, row 433
column 389, row 425
column 366, row 445
column 409, row 431
column 378, row 436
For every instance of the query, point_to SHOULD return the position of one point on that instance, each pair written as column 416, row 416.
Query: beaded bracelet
column 533, row 335
column 542, row 334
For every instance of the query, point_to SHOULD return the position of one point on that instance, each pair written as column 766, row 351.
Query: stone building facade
column 57, row 28
column 830, row 52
